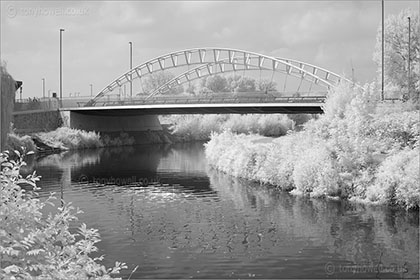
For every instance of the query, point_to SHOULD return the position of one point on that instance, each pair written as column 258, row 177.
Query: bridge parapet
column 210, row 100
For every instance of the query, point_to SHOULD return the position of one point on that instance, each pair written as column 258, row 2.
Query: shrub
column 200, row 127
column 395, row 131
column 398, row 180
column 37, row 247
column 124, row 139
column 314, row 172
column 20, row 143
column 71, row 138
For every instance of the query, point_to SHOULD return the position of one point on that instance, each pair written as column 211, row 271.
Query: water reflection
column 187, row 220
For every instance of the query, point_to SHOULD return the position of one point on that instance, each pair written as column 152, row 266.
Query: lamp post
column 61, row 67
column 409, row 56
column 383, row 50
column 43, row 88
column 91, row 89
column 131, row 67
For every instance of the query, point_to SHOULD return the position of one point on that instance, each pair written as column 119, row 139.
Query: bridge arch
column 221, row 67
column 206, row 57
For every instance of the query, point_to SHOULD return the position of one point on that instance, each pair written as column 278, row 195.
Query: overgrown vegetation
column 200, row 127
column 354, row 151
column 64, row 138
column 35, row 246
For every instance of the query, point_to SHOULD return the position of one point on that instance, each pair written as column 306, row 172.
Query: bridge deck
column 221, row 108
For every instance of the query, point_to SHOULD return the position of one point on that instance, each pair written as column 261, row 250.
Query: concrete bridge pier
column 112, row 123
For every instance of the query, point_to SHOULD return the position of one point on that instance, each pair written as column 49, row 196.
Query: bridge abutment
column 109, row 124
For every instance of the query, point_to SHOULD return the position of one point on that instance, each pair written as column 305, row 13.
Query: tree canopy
column 396, row 55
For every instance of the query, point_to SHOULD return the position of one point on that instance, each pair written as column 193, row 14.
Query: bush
column 315, row 171
column 200, row 127
column 34, row 246
column 20, row 143
column 397, row 130
column 71, row 138
column 124, row 139
column 398, row 180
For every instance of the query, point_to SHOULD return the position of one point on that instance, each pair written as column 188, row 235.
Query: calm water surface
column 162, row 208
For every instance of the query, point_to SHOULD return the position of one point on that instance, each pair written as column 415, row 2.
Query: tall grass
column 20, row 143
column 69, row 138
column 353, row 151
column 200, row 127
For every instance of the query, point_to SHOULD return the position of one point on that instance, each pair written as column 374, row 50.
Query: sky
column 335, row 35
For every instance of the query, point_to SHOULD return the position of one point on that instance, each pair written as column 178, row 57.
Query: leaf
column 12, row 269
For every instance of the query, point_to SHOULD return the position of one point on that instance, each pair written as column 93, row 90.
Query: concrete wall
column 114, row 123
column 30, row 122
column 39, row 121
column 7, row 97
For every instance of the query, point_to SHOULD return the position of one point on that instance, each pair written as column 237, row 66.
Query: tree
column 396, row 51
column 217, row 83
column 233, row 82
column 154, row 81
column 266, row 86
column 191, row 89
column 245, row 84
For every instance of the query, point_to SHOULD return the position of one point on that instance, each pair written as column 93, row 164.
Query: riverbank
column 175, row 129
column 357, row 150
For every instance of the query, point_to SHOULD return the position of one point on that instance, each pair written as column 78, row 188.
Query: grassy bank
column 357, row 150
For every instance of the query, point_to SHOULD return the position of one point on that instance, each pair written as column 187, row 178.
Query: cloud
column 95, row 43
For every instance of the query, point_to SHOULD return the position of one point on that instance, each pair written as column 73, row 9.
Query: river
column 164, row 209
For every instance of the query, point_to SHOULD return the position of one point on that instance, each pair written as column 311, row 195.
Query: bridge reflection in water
column 192, row 221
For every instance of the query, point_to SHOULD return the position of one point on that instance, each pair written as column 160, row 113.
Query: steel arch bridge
column 212, row 61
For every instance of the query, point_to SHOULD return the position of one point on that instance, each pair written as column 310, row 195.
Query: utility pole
column 409, row 57
column 383, row 49
column 43, row 88
column 61, row 67
column 131, row 67
column 91, row 89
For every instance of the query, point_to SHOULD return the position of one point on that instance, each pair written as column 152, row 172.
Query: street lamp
column 61, row 67
column 383, row 50
column 43, row 88
column 131, row 67
column 409, row 56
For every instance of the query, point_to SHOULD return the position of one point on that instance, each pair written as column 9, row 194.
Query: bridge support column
column 107, row 123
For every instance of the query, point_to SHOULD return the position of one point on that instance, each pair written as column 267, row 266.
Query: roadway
column 204, row 105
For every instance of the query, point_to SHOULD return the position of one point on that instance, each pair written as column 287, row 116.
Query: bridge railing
column 208, row 100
